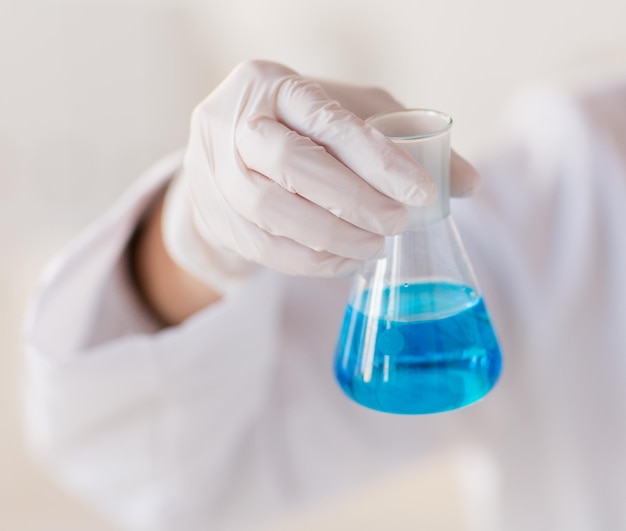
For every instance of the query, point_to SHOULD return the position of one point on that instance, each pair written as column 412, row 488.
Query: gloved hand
column 279, row 174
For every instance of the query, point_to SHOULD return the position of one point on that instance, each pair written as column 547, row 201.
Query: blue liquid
column 420, row 348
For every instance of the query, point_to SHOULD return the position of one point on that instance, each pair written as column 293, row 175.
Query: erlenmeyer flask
column 416, row 336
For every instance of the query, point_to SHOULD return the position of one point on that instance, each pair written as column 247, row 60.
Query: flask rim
column 378, row 121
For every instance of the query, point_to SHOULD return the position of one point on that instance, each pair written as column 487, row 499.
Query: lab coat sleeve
column 106, row 388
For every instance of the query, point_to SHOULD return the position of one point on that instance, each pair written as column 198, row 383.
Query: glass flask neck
column 425, row 135
column 434, row 155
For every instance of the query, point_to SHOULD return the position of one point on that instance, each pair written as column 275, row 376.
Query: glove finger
column 299, row 165
column 362, row 101
column 304, row 107
column 276, row 252
column 280, row 212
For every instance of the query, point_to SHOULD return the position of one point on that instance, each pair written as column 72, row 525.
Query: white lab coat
column 234, row 417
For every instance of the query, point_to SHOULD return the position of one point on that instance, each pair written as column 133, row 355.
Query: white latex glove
column 279, row 174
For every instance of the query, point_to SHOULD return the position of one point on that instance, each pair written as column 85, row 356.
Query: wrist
column 168, row 290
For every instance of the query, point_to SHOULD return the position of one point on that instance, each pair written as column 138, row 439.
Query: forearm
column 167, row 289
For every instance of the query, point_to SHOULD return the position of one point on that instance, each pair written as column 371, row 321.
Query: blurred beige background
column 92, row 92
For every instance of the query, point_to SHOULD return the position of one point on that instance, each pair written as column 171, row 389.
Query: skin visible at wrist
column 169, row 291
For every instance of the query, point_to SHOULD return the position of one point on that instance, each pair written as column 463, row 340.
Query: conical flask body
column 416, row 336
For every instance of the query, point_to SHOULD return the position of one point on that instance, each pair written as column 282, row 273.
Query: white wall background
column 92, row 92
